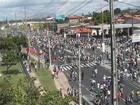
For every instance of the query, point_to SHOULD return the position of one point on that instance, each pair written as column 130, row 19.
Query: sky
column 44, row 8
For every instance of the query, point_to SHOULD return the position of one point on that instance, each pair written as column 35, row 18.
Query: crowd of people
column 127, row 55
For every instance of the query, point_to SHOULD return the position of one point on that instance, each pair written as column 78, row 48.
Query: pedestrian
column 57, row 72
column 126, row 100
column 53, row 74
column 96, row 71
column 82, row 75
column 35, row 67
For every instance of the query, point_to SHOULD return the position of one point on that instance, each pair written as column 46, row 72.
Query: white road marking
column 93, row 63
column 67, row 67
column 83, row 86
column 70, row 66
column 87, row 89
column 82, row 66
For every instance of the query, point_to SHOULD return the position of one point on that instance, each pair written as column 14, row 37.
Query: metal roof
column 116, row 26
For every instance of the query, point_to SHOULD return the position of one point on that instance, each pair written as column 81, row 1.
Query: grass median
column 45, row 77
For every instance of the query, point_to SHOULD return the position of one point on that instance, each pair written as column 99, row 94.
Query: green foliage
column 20, row 40
column 6, row 92
column 25, row 93
column 9, row 58
column 117, row 11
column 7, row 44
column 99, row 18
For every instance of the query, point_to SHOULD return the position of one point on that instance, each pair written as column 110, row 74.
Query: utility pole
column 25, row 19
column 80, row 90
column 16, row 22
column 114, row 88
column 49, row 48
column 103, row 44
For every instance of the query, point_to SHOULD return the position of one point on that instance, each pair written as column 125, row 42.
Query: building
column 73, row 19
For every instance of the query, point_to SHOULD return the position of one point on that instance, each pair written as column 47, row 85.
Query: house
column 82, row 31
column 135, row 20
column 73, row 19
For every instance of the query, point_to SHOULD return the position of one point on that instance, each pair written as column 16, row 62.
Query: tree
column 8, row 49
column 25, row 93
column 7, row 44
column 20, row 40
column 117, row 11
column 6, row 92
column 97, row 17
column 10, row 58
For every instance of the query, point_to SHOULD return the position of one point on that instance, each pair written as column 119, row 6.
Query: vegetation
column 24, row 93
column 46, row 80
column 10, row 48
column 99, row 18
column 15, row 89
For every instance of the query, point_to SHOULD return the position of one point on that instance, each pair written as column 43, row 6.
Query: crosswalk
column 69, row 67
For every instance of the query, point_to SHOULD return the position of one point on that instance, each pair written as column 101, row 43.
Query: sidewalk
column 61, row 82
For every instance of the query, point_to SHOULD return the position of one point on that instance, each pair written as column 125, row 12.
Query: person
column 93, row 83
column 95, row 70
column 82, row 75
column 126, row 100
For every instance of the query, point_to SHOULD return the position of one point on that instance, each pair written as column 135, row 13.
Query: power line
column 102, row 7
column 46, row 5
column 81, row 7
column 61, row 6
column 128, row 4
column 76, row 6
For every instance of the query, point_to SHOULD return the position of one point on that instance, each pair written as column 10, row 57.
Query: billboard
column 59, row 17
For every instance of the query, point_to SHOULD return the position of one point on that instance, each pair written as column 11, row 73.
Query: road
column 87, row 68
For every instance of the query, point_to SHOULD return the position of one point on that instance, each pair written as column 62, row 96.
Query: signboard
column 136, row 38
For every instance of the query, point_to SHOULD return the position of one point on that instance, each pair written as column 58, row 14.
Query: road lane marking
column 83, row 86
column 67, row 67
column 87, row 89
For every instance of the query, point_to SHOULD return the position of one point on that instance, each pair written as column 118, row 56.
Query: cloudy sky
column 37, row 8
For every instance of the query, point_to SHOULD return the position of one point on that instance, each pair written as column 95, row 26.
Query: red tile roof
column 82, row 29
column 120, row 20
column 127, row 16
column 73, row 17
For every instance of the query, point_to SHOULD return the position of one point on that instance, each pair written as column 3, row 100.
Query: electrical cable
column 81, row 7
column 128, row 4
column 76, row 6
column 61, row 6
column 42, row 8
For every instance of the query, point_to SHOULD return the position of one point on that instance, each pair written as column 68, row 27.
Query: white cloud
column 9, row 7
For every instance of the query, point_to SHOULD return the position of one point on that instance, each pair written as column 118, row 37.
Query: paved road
column 88, row 68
